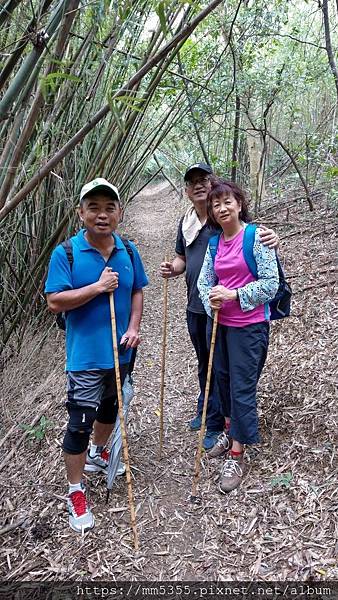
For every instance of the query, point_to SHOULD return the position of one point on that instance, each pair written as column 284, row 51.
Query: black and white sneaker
column 99, row 462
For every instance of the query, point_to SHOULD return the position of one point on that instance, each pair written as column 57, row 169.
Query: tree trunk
column 255, row 150
column 234, row 158
column 328, row 44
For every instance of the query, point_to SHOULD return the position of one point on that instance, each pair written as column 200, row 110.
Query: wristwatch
column 237, row 295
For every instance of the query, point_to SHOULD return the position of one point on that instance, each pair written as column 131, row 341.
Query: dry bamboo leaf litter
column 281, row 524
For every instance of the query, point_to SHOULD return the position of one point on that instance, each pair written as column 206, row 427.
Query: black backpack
column 280, row 305
column 60, row 317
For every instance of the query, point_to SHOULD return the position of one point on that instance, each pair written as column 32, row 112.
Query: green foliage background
column 268, row 59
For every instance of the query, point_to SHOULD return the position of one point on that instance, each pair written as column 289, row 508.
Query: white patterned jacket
column 252, row 294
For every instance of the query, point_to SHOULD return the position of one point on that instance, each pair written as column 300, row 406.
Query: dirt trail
column 280, row 524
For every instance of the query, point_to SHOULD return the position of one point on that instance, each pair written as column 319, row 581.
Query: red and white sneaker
column 81, row 517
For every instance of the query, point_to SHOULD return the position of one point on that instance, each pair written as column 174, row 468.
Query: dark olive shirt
column 194, row 256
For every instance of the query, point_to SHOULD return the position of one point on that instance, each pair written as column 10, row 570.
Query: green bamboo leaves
column 162, row 16
column 58, row 130
column 51, row 82
column 120, row 103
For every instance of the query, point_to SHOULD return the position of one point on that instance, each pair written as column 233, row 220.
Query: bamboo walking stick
column 122, row 423
column 194, row 498
column 164, row 348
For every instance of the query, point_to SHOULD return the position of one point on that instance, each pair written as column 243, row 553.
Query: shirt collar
column 84, row 245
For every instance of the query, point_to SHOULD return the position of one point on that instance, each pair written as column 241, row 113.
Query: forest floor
column 280, row 524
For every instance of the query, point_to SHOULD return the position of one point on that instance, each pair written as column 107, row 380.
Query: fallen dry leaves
column 282, row 522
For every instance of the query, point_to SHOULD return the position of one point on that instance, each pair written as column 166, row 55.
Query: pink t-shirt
column 233, row 272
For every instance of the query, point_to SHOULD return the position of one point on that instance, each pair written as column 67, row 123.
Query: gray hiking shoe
column 81, row 517
column 231, row 474
column 222, row 446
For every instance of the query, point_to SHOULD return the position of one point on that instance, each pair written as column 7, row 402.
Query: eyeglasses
column 199, row 180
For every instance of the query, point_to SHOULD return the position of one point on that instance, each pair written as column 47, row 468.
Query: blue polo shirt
column 88, row 328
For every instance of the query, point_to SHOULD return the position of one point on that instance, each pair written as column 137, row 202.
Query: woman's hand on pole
column 219, row 294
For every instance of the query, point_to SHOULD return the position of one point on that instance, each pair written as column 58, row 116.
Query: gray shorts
column 94, row 390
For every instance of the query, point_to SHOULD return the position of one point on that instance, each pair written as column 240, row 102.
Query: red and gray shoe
column 81, row 517
column 232, row 473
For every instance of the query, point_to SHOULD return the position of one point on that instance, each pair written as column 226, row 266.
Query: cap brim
column 206, row 171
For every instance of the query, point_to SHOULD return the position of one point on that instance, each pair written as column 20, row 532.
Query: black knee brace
column 75, row 442
column 79, row 428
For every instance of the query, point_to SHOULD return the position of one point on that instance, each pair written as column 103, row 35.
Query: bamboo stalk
column 21, row 44
column 36, row 179
column 194, row 498
column 164, row 348
column 6, row 10
column 122, row 422
column 175, row 188
column 36, row 107
column 25, row 70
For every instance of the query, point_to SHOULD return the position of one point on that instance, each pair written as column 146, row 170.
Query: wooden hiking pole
column 194, row 498
column 122, row 422
column 164, row 348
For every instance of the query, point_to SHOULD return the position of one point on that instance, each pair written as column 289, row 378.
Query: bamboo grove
column 137, row 89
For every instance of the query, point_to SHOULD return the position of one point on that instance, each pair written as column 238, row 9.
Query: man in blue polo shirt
column 101, row 265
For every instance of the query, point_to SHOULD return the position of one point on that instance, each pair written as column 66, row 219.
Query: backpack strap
column 68, row 248
column 60, row 317
column 213, row 245
column 129, row 250
column 248, row 244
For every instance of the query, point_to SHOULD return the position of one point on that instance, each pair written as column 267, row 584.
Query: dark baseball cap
column 198, row 166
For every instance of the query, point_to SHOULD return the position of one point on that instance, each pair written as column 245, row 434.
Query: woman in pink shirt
column 227, row 285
